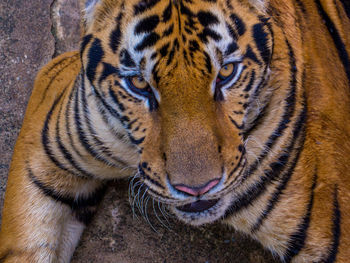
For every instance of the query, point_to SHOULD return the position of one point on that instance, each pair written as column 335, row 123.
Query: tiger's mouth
column 202, row 211
column 198, row 206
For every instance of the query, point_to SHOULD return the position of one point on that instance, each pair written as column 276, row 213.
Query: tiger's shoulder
column 54, row 78
column 54, row 81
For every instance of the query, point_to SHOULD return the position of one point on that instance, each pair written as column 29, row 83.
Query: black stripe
column 132, row 123
column 261, row 41
column 167, row 12
column 115, row 114
column 168, row 31
column 229, row 5
column 193, row 45
column 65, row 153
column 53, row 79
column 155, row 72
column 281, row 187
column 144, row 5
column 152, row 102
column 301, row 6
column 85, row 41
column 232, row 47
column 262, row 84
column 241, row 80
column 171, row 55
column 239, row 127
column 271, row 33
column 116, row 100
column 219, row 96
column 102, row 111
column 336, row 231
column 288, row 111
column 147, row 24
column 176, row 44
column 239, row 24
column 46, row 141
column 102, row 148
column 112, row 111
column 231, row 32
column 114, row 38
column 239, row 164
column 148, row 41
column 258, row 120
column 207, row 32
column 275, row 170
column 136, row 141
column 73, row 201
column 95, row 56
column 47, row 70
column 85, row 214
column 186, row 11
column 164, row 50
column 126, row 60
column 338, row 42
column 207, row 18
column 251, row 82
column 77, row 204
column 145, row 176
column 108, row 70
column 346, row 5
column 77, row 119
column 6, row 255
column 251, row 55
column 159, row 195
column 297, row 239
column 154, row 55
column 207, row 62
column 79, row 125
column 68, row 115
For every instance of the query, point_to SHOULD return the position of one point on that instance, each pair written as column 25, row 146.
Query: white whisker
column 156, row 214
column 146, row 215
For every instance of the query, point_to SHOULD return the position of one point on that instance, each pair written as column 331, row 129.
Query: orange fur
column 188, row 132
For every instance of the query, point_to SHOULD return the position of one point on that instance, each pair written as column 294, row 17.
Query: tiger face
column 183, row 79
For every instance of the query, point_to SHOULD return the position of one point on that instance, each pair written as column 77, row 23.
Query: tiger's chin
column 202, row 211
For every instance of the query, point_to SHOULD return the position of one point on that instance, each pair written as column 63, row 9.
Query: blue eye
column 226, row 73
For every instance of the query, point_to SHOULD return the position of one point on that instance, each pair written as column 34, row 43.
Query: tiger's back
column 264, row 86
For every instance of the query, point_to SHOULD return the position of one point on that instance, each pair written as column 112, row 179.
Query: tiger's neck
column 92, row 142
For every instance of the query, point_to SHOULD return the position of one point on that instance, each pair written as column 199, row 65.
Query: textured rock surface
column 26, row 44
column 31, row 33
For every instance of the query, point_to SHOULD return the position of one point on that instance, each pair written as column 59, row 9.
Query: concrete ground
column 31, row 33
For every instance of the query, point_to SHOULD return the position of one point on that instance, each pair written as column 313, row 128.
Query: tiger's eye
column 139, row 82
column 226, row 70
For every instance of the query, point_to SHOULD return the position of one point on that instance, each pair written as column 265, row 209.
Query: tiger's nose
column 196, row 191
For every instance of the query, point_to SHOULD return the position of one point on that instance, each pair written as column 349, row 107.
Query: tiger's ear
column 88, row 8
column 261, row 5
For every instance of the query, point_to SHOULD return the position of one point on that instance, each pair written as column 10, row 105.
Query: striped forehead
column 160, row 32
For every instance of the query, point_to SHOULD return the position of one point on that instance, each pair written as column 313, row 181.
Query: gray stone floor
column 31, row 33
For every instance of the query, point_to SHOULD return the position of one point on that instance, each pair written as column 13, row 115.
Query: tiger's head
column 184, row 78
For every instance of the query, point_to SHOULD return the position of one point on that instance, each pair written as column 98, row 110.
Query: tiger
column 235, row 111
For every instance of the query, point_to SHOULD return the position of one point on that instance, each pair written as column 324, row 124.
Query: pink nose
column 196, row 191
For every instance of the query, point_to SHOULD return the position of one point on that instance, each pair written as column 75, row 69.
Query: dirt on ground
column 32, row 33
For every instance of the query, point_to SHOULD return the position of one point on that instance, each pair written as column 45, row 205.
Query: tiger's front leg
column 60, row 161
column 41, row 224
